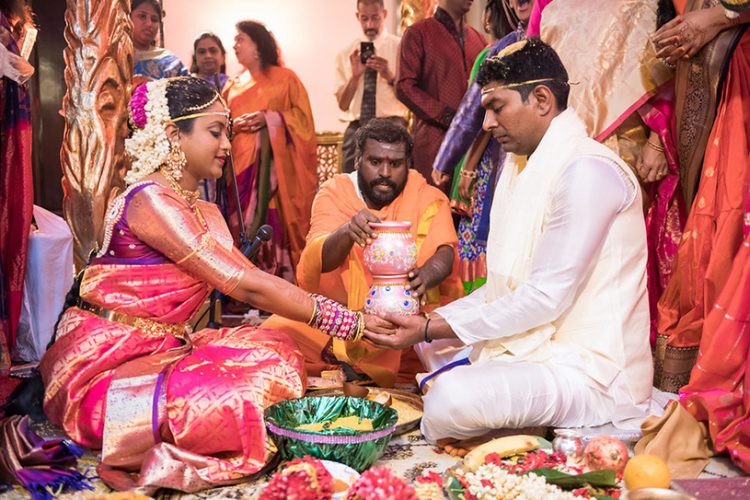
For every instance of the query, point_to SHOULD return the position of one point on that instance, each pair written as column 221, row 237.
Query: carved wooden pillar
column 98, row 71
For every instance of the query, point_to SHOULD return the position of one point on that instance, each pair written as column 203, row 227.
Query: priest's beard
column 376, row 198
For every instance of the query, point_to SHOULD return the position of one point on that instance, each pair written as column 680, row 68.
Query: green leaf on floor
column 598, row 478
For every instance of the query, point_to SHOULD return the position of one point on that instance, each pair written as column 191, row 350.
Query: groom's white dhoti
column 559, row 333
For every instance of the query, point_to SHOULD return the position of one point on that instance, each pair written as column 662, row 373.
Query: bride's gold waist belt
column 150, row 327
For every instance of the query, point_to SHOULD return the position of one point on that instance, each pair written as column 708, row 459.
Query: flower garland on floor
column 379, row 483
column 521, row 477
column 302, row 479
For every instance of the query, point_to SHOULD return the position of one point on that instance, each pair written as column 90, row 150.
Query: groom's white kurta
column 560, row 331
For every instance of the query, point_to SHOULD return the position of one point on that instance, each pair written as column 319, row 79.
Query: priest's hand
column 409, row 331
column 339, row 243
column 359, row 228
column 417, row 283
column 438, row 267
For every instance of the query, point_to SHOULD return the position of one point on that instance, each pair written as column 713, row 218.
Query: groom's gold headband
column 511, row 49
column 519, row 84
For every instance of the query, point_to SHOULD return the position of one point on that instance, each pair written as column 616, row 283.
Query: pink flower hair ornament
column 138, row 106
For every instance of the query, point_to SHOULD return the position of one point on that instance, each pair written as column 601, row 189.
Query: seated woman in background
column 125, row 374
column 274, row 149
column 151, row 61
column 209, row 60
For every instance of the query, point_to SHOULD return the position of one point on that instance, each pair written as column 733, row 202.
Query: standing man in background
column 365, row 79
column 436, row 59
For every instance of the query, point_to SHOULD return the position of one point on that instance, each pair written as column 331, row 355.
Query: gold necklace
column 189, row 196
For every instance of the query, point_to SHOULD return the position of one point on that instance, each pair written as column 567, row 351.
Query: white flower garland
column 148, row 147
column 501, row 484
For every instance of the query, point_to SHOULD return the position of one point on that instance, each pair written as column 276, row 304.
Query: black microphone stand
column 222, row 200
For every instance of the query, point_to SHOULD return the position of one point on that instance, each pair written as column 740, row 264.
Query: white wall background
column 309, row 32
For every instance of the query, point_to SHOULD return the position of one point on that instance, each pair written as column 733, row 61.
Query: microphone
column 265, row 233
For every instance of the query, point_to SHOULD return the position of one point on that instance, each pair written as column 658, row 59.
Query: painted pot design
column 393, row 252
column 388, row 294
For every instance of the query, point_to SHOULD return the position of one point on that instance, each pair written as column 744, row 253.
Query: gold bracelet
column 469, row 174
column 315, row 310
column 657, row 147
column 360, row 327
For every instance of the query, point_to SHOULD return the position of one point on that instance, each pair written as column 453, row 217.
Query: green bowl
column 357, row 449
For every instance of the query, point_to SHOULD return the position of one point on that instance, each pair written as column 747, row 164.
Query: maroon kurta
column 433, row 74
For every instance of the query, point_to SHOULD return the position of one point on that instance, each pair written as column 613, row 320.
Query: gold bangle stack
column 360, row 327
column 656, row 147
column 314, row 316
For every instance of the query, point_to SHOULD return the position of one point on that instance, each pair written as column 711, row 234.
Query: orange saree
column 427, row 208
column 714, row 230
column 167, row 408
column 277, row 166
column 717, row 392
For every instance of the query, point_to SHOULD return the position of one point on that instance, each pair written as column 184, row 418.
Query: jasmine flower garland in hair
column 148, row 146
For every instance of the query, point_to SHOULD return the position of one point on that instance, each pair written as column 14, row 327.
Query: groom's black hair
column 530, row 61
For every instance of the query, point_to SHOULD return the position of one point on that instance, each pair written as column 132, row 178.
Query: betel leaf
column 543, row 443
column 454, row 488
column 598, row 478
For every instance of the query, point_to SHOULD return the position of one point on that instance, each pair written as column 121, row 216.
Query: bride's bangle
column 469, row 174
column 335, row 320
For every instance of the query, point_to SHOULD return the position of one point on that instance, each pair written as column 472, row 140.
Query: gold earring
column 176, row 161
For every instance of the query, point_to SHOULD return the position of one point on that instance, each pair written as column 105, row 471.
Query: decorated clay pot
column 393, row 251
column 388, row 294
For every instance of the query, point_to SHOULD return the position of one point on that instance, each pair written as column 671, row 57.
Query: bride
column 125, row 374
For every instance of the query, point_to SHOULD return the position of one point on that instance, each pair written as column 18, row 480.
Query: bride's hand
column 378, row 325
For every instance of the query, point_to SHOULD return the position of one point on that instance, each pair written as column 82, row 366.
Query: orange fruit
column 646, row 471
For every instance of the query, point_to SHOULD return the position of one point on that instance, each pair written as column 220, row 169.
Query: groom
column 559, row 334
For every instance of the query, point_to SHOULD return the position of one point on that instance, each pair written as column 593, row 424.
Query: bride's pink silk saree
column 167, row 408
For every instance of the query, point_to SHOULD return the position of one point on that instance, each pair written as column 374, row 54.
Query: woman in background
column 274, row 149
column 626, row 97
column 151, row 62
column 16, row 186
column 471, row 152
column 209, row 60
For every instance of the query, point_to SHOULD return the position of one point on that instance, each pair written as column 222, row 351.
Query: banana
column 504, row 446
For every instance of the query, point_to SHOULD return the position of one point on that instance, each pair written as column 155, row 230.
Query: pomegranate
column 606, row 452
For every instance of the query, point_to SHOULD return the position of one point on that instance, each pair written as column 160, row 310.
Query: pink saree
column 167, row 408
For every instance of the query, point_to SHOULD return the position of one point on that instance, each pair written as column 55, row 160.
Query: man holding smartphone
column 366, row 75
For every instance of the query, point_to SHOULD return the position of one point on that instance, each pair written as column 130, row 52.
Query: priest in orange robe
column 383, row 188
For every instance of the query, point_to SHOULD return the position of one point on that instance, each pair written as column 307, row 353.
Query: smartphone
column 366, row 51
